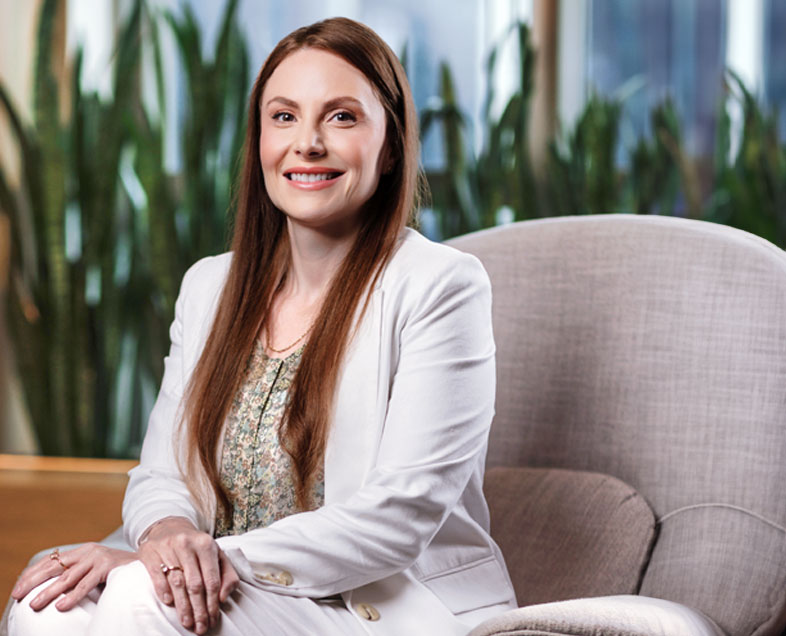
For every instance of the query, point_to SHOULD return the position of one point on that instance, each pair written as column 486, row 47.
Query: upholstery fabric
column 568, row 534
column 653, row 349
column 608, row 616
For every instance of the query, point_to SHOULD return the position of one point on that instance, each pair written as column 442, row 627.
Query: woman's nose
column 309, row 143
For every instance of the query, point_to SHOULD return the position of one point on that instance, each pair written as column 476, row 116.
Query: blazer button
column 369, row 612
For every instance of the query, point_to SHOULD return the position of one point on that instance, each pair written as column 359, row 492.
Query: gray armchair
column 637, row 459
column 637, row 462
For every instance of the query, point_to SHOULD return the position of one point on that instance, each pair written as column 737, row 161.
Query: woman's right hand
column 200, row 575
column 76, row 572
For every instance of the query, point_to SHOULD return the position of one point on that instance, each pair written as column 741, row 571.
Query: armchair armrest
column 625, row 615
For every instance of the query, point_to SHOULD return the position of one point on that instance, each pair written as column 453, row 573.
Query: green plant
column 185, row 214
column 654, row 178
column 750, row 187
column 101, row 234
column 588, row 172
column 67, row 342
column 213, row 129
column 450, row 189
column 503, row 174
column 583, row 177
column 471, row 190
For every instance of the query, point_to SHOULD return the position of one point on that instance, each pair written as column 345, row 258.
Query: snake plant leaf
column 187, row 36
column 241, row 74
column 452, row 192
column 9, row 209
column 24, row 247
column 127, row 57
column 45, row 85
column 151, row 22
column 583, row 174
column 25, row 306
column 29, row 150
column 491, row 65
column 55, row 275
column 527, row 59
column 207, row 124
column 654, row 178
column 224, row 41
column 749, row 187
column 233, row 64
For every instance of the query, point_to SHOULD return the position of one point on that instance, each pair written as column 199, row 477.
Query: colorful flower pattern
column 255, row 470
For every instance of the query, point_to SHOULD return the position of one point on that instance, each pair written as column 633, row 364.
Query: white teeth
column 311, row 177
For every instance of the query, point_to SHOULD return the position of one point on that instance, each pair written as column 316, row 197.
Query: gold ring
column 55, row 556
column 166, row 569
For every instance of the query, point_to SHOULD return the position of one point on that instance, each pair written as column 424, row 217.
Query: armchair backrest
column 653, row 349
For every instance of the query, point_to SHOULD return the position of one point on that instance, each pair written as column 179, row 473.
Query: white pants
column 128, row 606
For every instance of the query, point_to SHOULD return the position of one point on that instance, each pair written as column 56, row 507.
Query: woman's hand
column 199, row 576
column 78, row 572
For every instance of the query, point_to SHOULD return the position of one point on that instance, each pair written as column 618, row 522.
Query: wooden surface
column 49, row 501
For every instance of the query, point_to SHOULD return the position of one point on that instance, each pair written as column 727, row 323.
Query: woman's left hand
column 78, row 572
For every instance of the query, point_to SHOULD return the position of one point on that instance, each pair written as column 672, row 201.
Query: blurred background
column 120, row 123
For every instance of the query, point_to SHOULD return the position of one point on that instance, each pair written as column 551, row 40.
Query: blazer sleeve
column 435, row 433
column 155, row 488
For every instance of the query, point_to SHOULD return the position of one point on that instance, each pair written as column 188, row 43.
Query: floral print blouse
column 255, row 470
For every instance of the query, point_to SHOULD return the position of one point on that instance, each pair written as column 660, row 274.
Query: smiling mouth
column 310, row 177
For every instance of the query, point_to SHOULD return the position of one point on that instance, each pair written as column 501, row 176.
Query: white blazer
column 404, row 527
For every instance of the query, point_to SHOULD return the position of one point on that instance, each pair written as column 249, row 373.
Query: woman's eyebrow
column 329, row 105
column 283, row 100
column 343, row 101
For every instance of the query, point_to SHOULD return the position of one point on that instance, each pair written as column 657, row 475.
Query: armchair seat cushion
column 569, row 534
column 603, row 616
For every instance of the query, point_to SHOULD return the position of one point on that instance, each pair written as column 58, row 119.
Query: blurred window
column 648, row 51
column 775, row 59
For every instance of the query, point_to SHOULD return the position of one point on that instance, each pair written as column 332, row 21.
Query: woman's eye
column 283, row 116
column 344, row 116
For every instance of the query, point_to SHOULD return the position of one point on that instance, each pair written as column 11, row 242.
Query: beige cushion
column 568, row 534
column 608, row 616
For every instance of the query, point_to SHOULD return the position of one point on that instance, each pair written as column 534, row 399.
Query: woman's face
column 321, row 140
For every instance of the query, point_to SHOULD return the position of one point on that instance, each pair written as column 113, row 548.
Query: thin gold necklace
column 270, row 347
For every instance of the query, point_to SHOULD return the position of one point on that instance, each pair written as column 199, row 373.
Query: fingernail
column 168, row 599
column 200, row 627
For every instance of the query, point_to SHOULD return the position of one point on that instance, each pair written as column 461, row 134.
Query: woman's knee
column 25, row 621
column 129, row 605
column 129, row 585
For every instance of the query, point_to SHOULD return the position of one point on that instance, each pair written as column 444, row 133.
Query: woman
column 313, row 463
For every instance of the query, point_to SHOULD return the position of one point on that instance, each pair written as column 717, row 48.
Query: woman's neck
column 315, row 258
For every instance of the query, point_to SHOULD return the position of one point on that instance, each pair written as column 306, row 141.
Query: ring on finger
column 54, row 555
column 166, row 569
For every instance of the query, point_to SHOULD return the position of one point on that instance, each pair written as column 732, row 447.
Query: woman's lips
column 312, row 179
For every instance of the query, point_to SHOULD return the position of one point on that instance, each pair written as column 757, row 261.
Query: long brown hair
column 260, row 258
